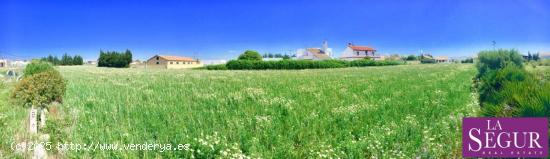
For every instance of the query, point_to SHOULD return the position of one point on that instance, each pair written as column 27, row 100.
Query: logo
column 505, row 137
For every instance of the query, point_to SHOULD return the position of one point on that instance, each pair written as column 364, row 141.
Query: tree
column 66, row 59
column 56, row 61
column 50, row 59
column 411, row 58
column 114, row 59
column 77, row 60
column 250, row 55
column 127, row 58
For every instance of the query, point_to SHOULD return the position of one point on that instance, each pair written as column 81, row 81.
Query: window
column 357, row 52
column 171, row 62
column 158, row 62
column 178, row 63
column 157, row 59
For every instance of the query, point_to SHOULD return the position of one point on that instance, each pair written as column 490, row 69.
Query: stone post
column 43, row 113
column 32, row 121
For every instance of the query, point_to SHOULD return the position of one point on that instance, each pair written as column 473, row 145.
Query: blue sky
column 219, row 29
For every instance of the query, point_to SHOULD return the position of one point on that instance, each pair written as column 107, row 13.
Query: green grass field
column 391, row 111
column 12, row 119
column 396, row 111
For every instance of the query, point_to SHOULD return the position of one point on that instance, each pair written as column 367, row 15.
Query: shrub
column 216, row 67
column 411, row 58
column 468, row 60
column 527, row 98
column 40, row 89
column 250, row 55
column 493, row 82
column 37, row 66
column 427, row 60
column 506, row 89
column 493, row 60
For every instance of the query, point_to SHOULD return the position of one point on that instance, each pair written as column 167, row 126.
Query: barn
column 172, row 62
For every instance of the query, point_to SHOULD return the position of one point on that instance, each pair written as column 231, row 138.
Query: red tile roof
column 361, row 48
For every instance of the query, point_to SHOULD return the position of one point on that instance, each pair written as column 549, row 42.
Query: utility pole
column 494, row 45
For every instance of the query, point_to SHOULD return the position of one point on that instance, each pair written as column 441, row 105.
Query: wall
column 175, row 65
column 152, row 63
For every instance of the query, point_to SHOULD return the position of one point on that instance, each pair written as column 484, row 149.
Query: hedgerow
column 301, row 64
column 216, row 67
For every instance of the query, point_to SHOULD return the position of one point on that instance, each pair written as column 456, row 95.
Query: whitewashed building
column 314, row 53
column 355, row 52
column 19, row 63
column 213, row 62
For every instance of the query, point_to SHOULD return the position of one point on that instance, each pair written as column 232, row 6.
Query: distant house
column 213, row 62
column 3, row 63
column 91, row 62
column 135, row 62
column 354, row 52
column 172, row 62
column 19, row 63
column 441, row 59
column 314, row 53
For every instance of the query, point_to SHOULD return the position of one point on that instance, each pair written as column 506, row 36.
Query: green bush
column 427, row 61
column 411, row 58
column 37, row 66
column 493, row 60
column 250, row 55
column 527, row 98
column 468, row 60
column 40, row 89
column 363, row 63
column 493, row 82
column 216, row 67
column 302, row 64
column 506, row 89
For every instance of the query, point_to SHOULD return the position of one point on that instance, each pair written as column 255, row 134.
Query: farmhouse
column 354, row 52
column 172, row 62
column 441, row 59
column 314, row 53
